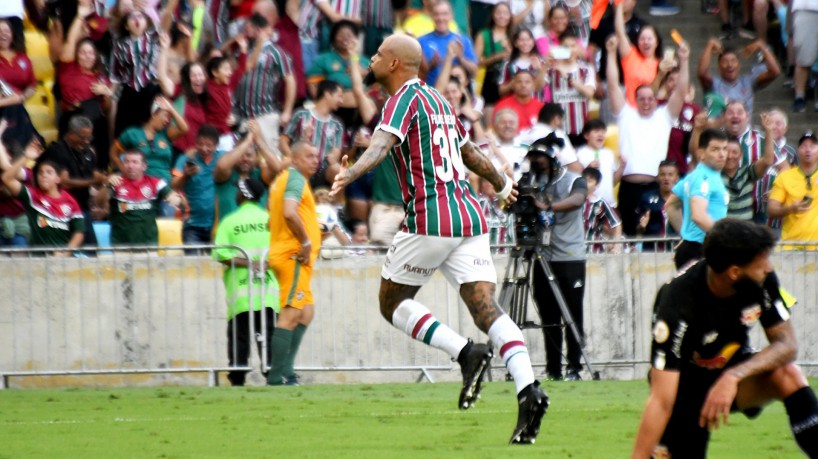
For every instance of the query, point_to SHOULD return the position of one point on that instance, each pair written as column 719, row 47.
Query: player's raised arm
column 479, row 163
column 380, row 145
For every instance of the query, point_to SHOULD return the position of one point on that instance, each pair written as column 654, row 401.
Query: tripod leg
column 566, row 313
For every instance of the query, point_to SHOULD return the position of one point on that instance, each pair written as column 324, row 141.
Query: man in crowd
column 295, row 239
column 644, row 132
column 522, row 101
column 505, row 129
column 653, row 221
column 439, row 43
column 247, row 227
column 739, row 180
column 76, row 158
column 550, row 119
column 444, row 229
column 702, row 364
column 268, row 66
column 327, row 131
column 242, row 163
column 793, row 193
column 133, row 200
column 701, row 195
column 194, row 176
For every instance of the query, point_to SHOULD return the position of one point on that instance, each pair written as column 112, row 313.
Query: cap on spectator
column 714, row 104
column 251, row 189
column 97, row 26
column 808, row 135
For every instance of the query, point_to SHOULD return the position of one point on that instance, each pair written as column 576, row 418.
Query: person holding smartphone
column 792, row 196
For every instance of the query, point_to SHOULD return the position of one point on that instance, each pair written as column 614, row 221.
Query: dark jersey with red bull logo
column 692, row 328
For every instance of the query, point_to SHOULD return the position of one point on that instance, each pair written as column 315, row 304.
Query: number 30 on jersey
column 450, row 159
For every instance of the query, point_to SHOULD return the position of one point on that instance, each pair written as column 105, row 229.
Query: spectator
column 464, row 109
column 785, row 155
column 78, row 164
column 337, row 63
column 312, row 12
column 421, row 22
column 387, row 215
column 13, row 12
column 653, row 220
column 739, row 180
column 492, row 45
column 805, row 47
column 644, row 132
column 442, row 42
column 633, row 26
column 558, row 22
column 287, row 34
column 550, row 120
column 180, row 50
column 84, row 88
column 247, row 227
column 530, row 14
column 378, row 20
column 596, row 155
column 522, row 100
column 222, row 80
column 134, row 202
column 600, row 220
column 153, row 139
column 256, row 96
column 194, row 176
column 524, row 56
column 678, row 147
column 753, row 144
column 640, row 62
column 54, row 217
column 295, row 240
column 135, row 58
column 572, row 82
column 793, row 193
column 360, row 232
column 16, row 86
column 242, row 163
column 731, row 84
column 702, row 196
column 14, row 229
column 503, row 140
column 190, row 104
column 449, row 71
column 320, row 128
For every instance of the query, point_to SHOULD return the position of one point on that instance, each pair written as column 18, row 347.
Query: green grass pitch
column 587, row 419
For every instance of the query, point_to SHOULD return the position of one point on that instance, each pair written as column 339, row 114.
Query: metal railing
column 156, row 315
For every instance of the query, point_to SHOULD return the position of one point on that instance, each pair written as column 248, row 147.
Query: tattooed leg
column 392, row 295
column 479, row 298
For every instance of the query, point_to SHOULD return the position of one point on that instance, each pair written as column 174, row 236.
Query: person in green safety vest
column 247, row 282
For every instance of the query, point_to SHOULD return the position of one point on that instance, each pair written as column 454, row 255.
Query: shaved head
column 404, row 48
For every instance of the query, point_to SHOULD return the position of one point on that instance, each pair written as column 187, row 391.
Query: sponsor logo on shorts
column 426, row 272
column 482, row 262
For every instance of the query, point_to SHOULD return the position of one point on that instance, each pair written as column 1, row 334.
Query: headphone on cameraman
column 548, row 146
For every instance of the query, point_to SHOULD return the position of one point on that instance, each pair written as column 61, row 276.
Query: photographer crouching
column 557, row 195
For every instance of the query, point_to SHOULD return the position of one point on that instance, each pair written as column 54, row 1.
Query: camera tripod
column 517, row 289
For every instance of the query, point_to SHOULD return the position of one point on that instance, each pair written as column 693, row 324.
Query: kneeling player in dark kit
column 702, row 365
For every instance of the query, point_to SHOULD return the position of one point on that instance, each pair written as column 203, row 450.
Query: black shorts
column 687, row 252
column 683, row 437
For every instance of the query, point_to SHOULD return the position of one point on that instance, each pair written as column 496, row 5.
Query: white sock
column 417, row 321
column 508, row 338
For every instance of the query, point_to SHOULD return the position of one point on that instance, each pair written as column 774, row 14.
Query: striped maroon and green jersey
column 570, row 99
column 327, row 132
column 309, row 18
column 257, row 92
column 348, row 8
column 436, row 194
column 378, row 13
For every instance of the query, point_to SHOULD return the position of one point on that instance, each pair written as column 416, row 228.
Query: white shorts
column 385, row 221
column 413, row 259
column 805, row 37
column 269, row 127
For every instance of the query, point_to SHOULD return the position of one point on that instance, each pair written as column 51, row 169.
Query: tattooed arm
column 479, row 163
column 781, row 351
column 380, row 145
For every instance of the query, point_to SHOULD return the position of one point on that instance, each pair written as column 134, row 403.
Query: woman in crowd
column 640, row 63
column 153, row 138
column 558, row 22
column 190, row 104
column 135, row 57
column 84, row 88
column 469, row 117
column 524, row 56
column 493, row 46
column 17, row 84
column 54, row 217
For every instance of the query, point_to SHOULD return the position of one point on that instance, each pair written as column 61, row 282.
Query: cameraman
column 562, row 192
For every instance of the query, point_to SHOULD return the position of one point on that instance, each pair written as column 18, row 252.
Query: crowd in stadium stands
column 125, row 111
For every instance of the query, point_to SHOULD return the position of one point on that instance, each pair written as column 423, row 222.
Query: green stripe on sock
column 427, row 338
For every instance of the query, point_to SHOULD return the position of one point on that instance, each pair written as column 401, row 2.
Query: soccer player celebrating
column 444, row 228
column 702, row 364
